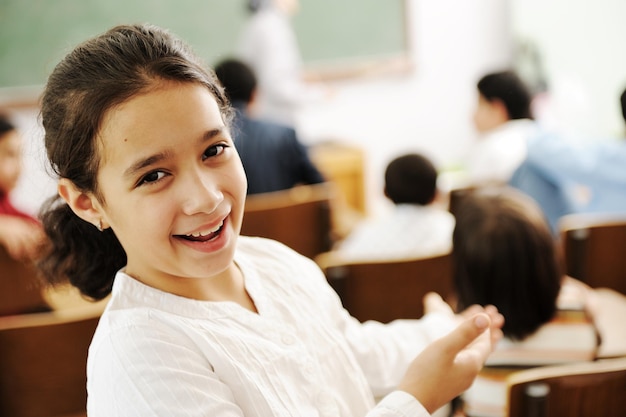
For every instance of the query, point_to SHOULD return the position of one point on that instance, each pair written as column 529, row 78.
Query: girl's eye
column 151, row 177
column 214, row 150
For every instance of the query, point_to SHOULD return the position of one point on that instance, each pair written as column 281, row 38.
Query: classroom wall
column 428, row 110
column 453, row 42
column 582, row 48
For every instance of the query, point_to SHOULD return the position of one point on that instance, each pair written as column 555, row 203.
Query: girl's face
column 173, row 186
column 10, row 161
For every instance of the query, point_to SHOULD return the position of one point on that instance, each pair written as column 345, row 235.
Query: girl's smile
column 203, row 236
column 206, row 239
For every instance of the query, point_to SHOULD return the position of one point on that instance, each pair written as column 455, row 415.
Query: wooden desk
column 609, row 310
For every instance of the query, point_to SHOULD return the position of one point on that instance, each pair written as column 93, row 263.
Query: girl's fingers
column 467, row 333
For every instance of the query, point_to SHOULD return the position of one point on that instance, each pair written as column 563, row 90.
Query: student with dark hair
column 504, row 254
column 504, row 123
column 272, row 155
column 203, row 321
column 506, row 88
column 416, row 226
column 20, row 233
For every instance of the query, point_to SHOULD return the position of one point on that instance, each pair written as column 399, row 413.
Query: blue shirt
column 573, row 177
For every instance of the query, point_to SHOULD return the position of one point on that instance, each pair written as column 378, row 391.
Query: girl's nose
column 200, row 194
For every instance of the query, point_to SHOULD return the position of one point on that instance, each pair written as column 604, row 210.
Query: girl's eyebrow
column 146, row 162
column 131, row 171
column 210, row 134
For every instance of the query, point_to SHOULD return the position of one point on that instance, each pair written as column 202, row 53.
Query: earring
column 99, row 226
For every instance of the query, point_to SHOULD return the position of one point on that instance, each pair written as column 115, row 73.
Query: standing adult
column 268, row 44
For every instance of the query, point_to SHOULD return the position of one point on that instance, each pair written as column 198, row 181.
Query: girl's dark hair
column 509, row 88
column 97, row 75
column 504, row 254
column 411, row 179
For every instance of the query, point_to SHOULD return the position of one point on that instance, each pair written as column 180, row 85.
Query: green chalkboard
column 36, row 34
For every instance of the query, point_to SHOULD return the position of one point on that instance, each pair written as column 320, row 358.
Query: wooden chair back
column 388, row 290
column 593, row 248
column 573, row 390
column 299, row 217
column 43, row 361
column 456, row 196
column 20, row 289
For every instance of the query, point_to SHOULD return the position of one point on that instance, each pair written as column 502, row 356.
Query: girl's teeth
column 208, row 232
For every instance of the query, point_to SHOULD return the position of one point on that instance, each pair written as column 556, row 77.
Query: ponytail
column 78, row 252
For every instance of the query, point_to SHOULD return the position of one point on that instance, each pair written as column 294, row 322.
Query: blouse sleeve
column 384, row 351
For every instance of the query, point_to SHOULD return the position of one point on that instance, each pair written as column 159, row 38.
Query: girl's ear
column 84, row 205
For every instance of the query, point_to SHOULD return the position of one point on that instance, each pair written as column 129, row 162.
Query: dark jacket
column 272, row 156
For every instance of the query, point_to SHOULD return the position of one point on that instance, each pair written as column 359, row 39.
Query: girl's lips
column 206, row 234
column 214, row 242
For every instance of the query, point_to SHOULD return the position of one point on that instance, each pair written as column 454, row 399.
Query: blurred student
column 505, row 255
column 203, row 321
column 565, row 176
column 504, row 123
column 269, row 46
column 20, row 233
column 417, row 226
column 623, row 108
column 273, row 157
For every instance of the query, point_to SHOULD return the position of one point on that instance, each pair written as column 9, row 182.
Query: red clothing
column 9, row 209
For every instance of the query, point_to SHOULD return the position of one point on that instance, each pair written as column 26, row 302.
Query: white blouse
column 158, row 354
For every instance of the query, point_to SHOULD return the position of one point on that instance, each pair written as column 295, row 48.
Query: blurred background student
column 20, row 233
column 504, row 254
column 416, row 226
column 566, row 176
column 622, row 102
column 268, row 44
column 504, row 122
column 272, row 155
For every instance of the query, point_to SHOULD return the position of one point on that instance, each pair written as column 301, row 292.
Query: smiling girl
column 201, row 321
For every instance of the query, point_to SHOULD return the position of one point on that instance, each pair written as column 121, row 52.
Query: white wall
column 582, row 43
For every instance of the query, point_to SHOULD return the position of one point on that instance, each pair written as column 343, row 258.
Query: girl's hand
column 448, row 366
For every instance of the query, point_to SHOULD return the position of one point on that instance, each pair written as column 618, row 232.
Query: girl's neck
column 227, row 286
